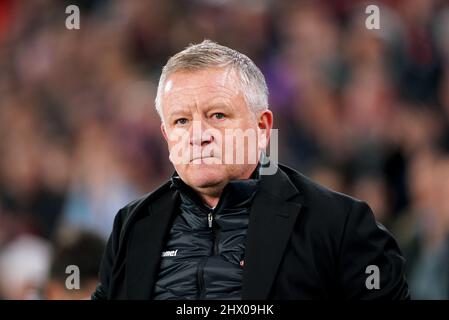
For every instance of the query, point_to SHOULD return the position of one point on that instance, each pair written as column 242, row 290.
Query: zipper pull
column 209, row 219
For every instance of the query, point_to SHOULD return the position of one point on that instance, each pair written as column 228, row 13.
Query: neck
column 211, row 195
column 210, row 201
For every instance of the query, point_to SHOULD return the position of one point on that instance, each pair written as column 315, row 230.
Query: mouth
column 201, row 159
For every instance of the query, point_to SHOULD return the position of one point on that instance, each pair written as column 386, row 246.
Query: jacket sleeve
column 102, row 290
column 370, row 261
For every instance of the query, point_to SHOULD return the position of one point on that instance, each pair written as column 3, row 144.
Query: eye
column 218, row 115
column 181, row 121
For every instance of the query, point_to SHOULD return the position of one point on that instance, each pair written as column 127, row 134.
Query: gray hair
column 210, row 54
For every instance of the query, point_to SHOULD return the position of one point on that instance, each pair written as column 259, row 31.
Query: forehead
column 203, row 84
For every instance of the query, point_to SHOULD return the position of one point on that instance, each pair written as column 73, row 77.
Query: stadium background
column 364, row 112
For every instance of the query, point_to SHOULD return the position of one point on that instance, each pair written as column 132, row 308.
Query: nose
column 200, row 136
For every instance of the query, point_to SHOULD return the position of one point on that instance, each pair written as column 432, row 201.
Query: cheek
column 179, row 151
column 177, row 138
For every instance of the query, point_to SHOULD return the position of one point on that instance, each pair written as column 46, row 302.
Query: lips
column 202, row 158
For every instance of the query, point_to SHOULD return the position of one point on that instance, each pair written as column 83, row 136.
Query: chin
column 203, row 175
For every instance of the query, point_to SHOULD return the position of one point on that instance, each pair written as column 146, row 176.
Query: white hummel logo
column 170, row 253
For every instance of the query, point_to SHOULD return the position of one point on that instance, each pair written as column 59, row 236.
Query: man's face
column 208, row 105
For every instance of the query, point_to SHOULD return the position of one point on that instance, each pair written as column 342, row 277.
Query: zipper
column 200, row 279
column 210, row 218
column 201, row 264
column 215, row 231
column 200, row 271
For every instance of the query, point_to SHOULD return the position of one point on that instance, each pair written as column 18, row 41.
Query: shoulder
column 141, row 204
column 315, row 195
column 346, row 238
column 326, row 212
column 149, row 197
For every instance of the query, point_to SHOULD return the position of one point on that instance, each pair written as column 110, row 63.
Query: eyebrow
column 218, row 105
column 177, row 112
column 185, row 110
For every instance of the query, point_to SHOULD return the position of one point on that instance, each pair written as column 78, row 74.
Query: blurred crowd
column 364, row 112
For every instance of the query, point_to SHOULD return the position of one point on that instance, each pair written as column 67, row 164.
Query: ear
column 164, row 133
column 265, row 124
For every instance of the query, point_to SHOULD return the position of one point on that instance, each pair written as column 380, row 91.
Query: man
column 221, row 229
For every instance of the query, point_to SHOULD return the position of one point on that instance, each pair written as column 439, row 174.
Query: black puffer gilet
column 203, row 257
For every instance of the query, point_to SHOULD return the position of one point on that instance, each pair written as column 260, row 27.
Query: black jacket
column 303, row 242
column 205, row 247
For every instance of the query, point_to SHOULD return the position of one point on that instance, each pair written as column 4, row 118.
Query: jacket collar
column 237, row 193
column 273, row 215
column 272, row 219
